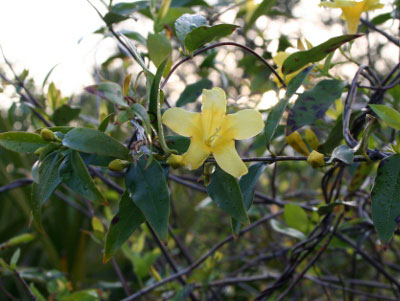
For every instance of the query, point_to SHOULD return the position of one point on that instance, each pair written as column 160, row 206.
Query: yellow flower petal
column 243, row 124
column 182, row 122
column 316, row 159
column 196, row 154
column 280, row 57
column 228, row 159
column 213, row 111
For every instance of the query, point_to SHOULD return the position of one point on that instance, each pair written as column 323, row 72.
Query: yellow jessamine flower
column 213, row 132
column 352, row 10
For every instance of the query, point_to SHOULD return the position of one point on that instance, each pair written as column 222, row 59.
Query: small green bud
column 118, row 165
column 47, row 135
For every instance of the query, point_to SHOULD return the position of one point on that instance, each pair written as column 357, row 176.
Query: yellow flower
column 352, row 10
column 316, row 159
column 214, row 132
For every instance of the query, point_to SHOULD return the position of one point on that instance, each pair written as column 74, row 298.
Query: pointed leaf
column 64, row 114
column 155, row 89
column 385, row 197
column 205, row 34
column 110, row 91
column 312, row 104
column 300, row 59
column 124, row 223
column 21, row 141
column 186, row 23
column 149, row 191
column 342, row 153
column 94, row 142
column 388, row 115
column 296, row 218
column 75, row 175
column 224, row 190
column 193, row 91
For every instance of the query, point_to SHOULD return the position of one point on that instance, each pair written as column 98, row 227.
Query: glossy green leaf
column 124, row 223
column 104, row 124
column 148, row 189
column 204, row 34
column 133, row 35
column 300, row 59
column 312, row 104
column 179, row 143
column 64, row 114
column 21, row 141
column 193, row 91
column 61, row 129
column 48, row 182
column 94, row 142
column 186, row 23
column 342, row 153
column 247, row 185
column 224, row 190
column 389, row 115
column 159, row 48
column 385, row 197
column 75, row 175
column 110, row 91
column 281, row 228
column 112, row 17
column 334, row 138
column 296, row 218
column 262, row 9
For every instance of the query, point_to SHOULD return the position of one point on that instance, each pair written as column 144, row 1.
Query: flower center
column 211, row 140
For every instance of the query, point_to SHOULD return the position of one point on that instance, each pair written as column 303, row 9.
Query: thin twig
column 386, row 35
column 26, row 286
column 201, row 259
column 120, row 276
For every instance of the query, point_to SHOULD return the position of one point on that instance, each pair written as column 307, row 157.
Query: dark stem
column 120, row 276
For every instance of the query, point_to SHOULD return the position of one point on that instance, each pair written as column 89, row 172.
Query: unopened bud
column 39, row 150
column 47, row 135
column 316, row 159
column 118, row 165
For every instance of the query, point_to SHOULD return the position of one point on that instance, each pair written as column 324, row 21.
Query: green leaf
column 312, row 104
column 296, row 218
column 388, row 115
column 127, row 8
column 247, row 184
column 186, row 23
column 54, row 98
column 297, row 81
column 94, row 142
column 104, row 124
column 155, row 89
column 75, row 175
column 64, row 114
column 164, row 7
column 262, row 9
column 133, row 35
column 17, row 240
column 21, row 141
column 14, row 258
column 110, row 91
column 124, row 223
column 61, row 129
column 148, row 189
column 334, row 138
column 111, row 18
column 385, row 197
column 85, row 295
column 224, row 190
column 159, row 47
column 300, row 59
column 188, row 3
column 342, row 153
column 179, row 143
column 48, row 182
column 280, row 228
column 205, row 34
column 193, row 91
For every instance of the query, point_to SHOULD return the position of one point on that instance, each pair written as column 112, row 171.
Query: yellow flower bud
column 316, row 159
column 175, row 161
column 118, row 165
column 47, row 135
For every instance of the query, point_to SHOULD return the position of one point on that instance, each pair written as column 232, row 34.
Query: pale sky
column 40, row 34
